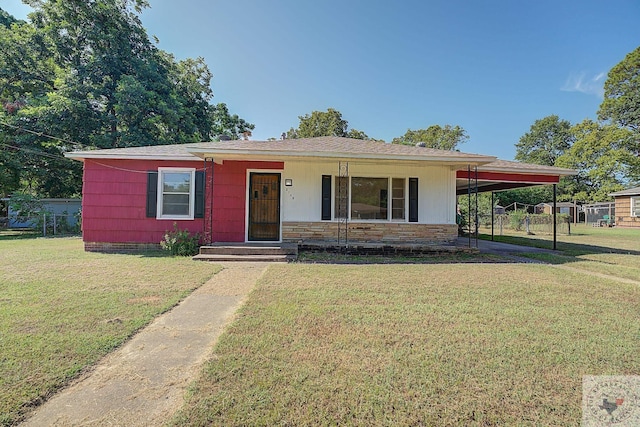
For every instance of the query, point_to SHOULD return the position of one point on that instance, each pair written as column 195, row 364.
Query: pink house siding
column 229, row 198
column 114, row 198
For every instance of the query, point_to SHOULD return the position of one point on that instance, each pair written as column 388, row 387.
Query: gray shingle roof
column 628, row 192
column 327, row 147
column 321, row 147
column 506, row 165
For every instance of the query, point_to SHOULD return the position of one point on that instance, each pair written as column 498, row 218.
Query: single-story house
column 627, row 207
column 567, row 208
column 294, row 190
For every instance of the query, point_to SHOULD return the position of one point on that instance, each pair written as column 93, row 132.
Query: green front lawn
column 430, row 344
column 610, row 251
column 584, row 239
column 62, row 309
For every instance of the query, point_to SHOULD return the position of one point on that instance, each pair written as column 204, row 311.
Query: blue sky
column 492, row 67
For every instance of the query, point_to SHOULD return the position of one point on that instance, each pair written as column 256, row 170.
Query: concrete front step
column 250, row 249
column 231, row 257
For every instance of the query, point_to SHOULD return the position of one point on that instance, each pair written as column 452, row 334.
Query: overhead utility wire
column 27, row 150
column 40, row 134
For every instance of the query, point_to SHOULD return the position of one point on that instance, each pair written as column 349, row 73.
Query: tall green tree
column 435, row 136
column 324, row 123
column 621, row 104
column 82, row 74
column 227, row 124
column 547, row 139
column 601, row 155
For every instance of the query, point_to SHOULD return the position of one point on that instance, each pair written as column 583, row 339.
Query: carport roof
column 504, row 175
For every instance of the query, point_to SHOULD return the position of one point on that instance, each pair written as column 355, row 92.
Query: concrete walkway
column 143, row 382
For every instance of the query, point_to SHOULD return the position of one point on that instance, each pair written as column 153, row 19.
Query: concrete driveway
column 504, row 249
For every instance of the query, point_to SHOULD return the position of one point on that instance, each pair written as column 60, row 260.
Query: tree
column 230, row 125
column 84, row 74
column 530, row 196
column 621, row 103
column 9, row 172
column 547, row 139
column 435, row 136
column 602, row 157
column 321, row 123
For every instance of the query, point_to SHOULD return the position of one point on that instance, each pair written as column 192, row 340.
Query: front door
column 264, row 206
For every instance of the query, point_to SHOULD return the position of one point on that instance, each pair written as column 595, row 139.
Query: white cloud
column 583, row 83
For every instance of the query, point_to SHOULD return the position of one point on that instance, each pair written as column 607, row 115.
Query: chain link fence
column 531, row 223
column 44, row 224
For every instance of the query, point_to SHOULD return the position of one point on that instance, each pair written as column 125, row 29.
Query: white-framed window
column 635, row 206
column 370, row 198
column 176, row 193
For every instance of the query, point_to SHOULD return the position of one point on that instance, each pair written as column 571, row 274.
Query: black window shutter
column 199, row 205
column 326, row 197
column 413, row 199
column 152, row 194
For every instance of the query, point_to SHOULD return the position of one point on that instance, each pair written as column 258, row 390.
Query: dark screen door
column 264, row 206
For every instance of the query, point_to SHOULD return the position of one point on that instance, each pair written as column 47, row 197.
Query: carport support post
column 469, row 202
column 492, row 212
column 555, row 193
column 476, row 190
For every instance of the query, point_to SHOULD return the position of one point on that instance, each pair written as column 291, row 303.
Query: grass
column 62, row 309
column 583, row 240
column 610, row 251
column 422, row 344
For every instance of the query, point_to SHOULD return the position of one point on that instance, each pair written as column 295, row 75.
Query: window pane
column 175, row 204
column 397, row 204
column 369, row 198
column 635, row 206
column 176, row 182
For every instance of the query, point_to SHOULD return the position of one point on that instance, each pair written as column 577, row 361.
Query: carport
column 506, row 175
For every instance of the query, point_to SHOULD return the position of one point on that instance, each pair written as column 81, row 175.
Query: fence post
column 44, row 225
column 54, row 224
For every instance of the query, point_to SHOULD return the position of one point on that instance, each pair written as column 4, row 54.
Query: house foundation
column 371, row 232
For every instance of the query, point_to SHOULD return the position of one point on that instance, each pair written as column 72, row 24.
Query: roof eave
column 280, row 155
column 81, row 156
column 526, row 171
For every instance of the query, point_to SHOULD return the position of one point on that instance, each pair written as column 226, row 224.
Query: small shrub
column 180, row 242
column 516, row 219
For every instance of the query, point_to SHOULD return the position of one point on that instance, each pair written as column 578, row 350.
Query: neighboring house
column 627, row 207
column 297, row 190
column 567, row 208
column 64, row 210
